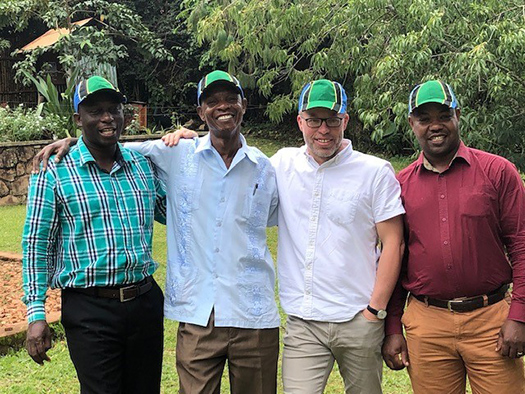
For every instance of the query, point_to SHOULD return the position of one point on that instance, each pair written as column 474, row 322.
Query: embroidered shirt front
column 217, row 218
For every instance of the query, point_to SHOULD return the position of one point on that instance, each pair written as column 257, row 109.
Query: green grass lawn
column 19, row 374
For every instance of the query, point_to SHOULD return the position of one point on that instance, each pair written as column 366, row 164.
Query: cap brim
column 449, row 104
column 118, row 95
column 220, row 82
column 322, row 104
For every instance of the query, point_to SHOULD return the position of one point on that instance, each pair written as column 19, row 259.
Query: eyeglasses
column 315, row 123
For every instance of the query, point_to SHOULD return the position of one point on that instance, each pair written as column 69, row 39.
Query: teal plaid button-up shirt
column 86, row 227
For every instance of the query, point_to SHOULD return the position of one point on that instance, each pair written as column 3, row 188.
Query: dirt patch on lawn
column 12, row 309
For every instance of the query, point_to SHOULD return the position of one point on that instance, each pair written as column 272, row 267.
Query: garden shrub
column 25, row 124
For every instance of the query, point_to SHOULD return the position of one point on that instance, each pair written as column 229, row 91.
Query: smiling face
column 324, row 142
column 222, row 108
column 101, row 118
column 436, row 128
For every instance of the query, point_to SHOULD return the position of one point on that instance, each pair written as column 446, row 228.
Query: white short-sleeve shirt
column 327, row 250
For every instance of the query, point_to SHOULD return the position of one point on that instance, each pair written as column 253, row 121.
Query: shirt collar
column 204, row 143
column 463, row 152
column 121, row 155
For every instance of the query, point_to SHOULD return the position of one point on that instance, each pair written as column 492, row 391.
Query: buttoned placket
column 444, row 231
column 217, row 230
column 123, row 212
column 313, row 224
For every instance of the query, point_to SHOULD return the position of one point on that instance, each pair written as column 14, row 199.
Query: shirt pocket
column 475, row 201
column 341, row 205
column 256, row 207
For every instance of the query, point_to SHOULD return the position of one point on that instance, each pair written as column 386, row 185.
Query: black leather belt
column 122, row 293
column 466, row 304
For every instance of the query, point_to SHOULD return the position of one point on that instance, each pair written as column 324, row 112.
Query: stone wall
column 16, row 163
column 15, row 168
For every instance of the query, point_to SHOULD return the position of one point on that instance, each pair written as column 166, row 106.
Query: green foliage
column 104, row 42
column 58, row 105
column 131, row 120
column 379, row 49
column 20, row 11
column 26, row 124
column 162, row 83
column 4, row 45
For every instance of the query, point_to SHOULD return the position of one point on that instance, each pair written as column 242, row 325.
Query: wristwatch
column 381, row 313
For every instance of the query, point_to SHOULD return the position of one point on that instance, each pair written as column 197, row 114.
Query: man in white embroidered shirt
column 334, row 204
column 220, row 279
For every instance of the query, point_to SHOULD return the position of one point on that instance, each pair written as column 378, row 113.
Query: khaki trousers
column 202, row 352
column 444, row 347
column 311, row 347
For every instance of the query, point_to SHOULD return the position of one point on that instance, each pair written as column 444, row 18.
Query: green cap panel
column 432, row 92
column 324, row 94
column 217, row 76
column 94, row 84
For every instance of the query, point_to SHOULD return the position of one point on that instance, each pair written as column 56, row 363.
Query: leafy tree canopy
column 105, row 42
column 171, row 84
column 379, row 49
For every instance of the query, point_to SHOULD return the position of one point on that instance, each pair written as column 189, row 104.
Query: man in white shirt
column 334, row 204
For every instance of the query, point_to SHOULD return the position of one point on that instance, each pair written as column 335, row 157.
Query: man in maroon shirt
column 465, row 243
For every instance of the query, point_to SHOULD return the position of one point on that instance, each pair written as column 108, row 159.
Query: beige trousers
column 444, row 347
column 311, row 347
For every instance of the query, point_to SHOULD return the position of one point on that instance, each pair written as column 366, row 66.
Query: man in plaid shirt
column 88, row 231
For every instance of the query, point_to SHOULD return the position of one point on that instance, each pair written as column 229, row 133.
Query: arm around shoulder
column 160, row 155
column 60, row 148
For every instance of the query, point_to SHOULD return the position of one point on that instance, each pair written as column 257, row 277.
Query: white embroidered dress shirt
column 216, row 233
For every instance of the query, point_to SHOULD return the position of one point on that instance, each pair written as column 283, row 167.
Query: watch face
column 381, row 314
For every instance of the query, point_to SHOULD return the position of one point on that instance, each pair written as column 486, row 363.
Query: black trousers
column 116, row 347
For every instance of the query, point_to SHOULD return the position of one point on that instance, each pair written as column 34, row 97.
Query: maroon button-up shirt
column 464, row 232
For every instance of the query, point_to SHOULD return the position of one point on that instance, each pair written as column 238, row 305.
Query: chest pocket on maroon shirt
column 476, row 201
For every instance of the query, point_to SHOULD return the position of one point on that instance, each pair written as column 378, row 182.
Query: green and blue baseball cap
column 325, row 94
column 432, row 92
column 95, row 84
column 217, row 76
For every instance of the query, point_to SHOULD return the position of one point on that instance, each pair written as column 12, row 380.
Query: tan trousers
column 311, row 347
column 444, row 347
column 202, row 353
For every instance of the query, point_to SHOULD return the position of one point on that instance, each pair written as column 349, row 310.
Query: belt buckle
column 455, row 301
column 121, row 293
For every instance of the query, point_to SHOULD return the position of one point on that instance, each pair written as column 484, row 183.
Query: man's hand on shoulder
column 60, row 147
column 38, row 341
column 511, row 339
column 172, row 139
column 395, row 352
